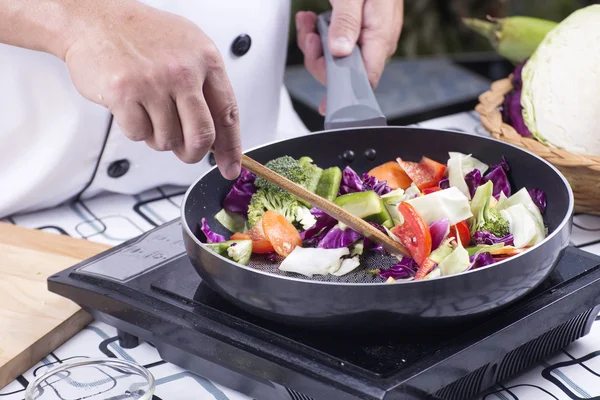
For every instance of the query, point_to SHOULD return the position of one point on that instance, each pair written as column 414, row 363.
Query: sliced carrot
column 507, row 251
column 392, row 173
column 281, row 233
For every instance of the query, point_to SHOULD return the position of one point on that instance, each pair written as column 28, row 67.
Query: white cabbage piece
column 310, row 261
column 459, row 165
column 523, row 197
column 457, row 262
column 449, row 203
column 469, row 163
column 560, row 85
column 523, row 226
column 305, row 218
column 412, row 191
column 436, row 273
column 456, row 178
column 348, row 265
column 392, row 199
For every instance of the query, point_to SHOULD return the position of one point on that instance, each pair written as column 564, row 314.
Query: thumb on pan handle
column 350, row 98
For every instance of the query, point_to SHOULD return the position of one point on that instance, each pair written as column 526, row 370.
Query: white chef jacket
column 55, row 145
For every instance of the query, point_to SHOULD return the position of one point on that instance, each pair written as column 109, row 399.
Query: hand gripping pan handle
column 350, row 99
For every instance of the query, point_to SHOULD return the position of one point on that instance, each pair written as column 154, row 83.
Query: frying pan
column 357, row 301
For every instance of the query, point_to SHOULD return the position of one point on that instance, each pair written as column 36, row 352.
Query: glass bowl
column 93, row 379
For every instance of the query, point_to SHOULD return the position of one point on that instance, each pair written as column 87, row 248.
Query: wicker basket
column 582, row 172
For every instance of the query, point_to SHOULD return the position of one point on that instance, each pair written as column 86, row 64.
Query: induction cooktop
column 149, row 291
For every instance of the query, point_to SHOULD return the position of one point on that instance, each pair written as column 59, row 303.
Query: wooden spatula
column 331, row 209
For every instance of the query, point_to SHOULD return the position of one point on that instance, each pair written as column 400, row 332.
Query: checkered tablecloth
column 572, row 373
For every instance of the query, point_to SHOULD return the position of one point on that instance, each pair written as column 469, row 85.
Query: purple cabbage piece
column 337, row 238
column 406, row 268
column 439, row 230
column 211, row 237
column 372, row 183
column 238, row 198
column 512, row 110
column 473, row 180
column 374, row 246
column 500, row 181
column 317, row 232
column 485, row 237
column 539, row 198
column 351, row 182
column 444, row 183
column 502, row 164
column 481, row 260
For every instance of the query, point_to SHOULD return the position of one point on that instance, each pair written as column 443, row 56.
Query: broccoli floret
column 273, row 199
column 486, row 218
column 303, row 173
column 495, row 224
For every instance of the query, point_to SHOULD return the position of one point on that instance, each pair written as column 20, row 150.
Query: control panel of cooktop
column 152, row 250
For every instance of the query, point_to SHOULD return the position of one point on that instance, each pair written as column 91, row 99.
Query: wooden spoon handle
column 331, row 209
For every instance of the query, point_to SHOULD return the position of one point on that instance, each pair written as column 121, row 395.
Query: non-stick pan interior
column 372, row 147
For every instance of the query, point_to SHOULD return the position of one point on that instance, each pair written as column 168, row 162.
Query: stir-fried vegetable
column 451, row 218
column 486, row 218
column 413, row 233
column 393, row 174
column 426, row 173
column 281, row 233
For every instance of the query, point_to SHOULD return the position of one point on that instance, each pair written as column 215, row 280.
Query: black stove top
column 147, row 289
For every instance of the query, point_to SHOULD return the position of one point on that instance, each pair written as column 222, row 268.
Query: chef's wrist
column 77, row 19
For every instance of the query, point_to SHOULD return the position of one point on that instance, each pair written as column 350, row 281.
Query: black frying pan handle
column 350, row 98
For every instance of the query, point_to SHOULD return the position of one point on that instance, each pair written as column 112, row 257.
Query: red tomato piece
column 425, row 174
column 413, row 233
column 393, row 174
column 424, row 269
column 436, row 169
column 432, row 189
column 260, row 244
column 281, row 233
column 464, row 232
column 416, row 173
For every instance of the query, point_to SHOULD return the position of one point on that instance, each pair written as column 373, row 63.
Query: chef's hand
column 161, row 77
column 374, row 24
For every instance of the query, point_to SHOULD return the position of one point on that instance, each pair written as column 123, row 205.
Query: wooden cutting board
column 33, row 321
